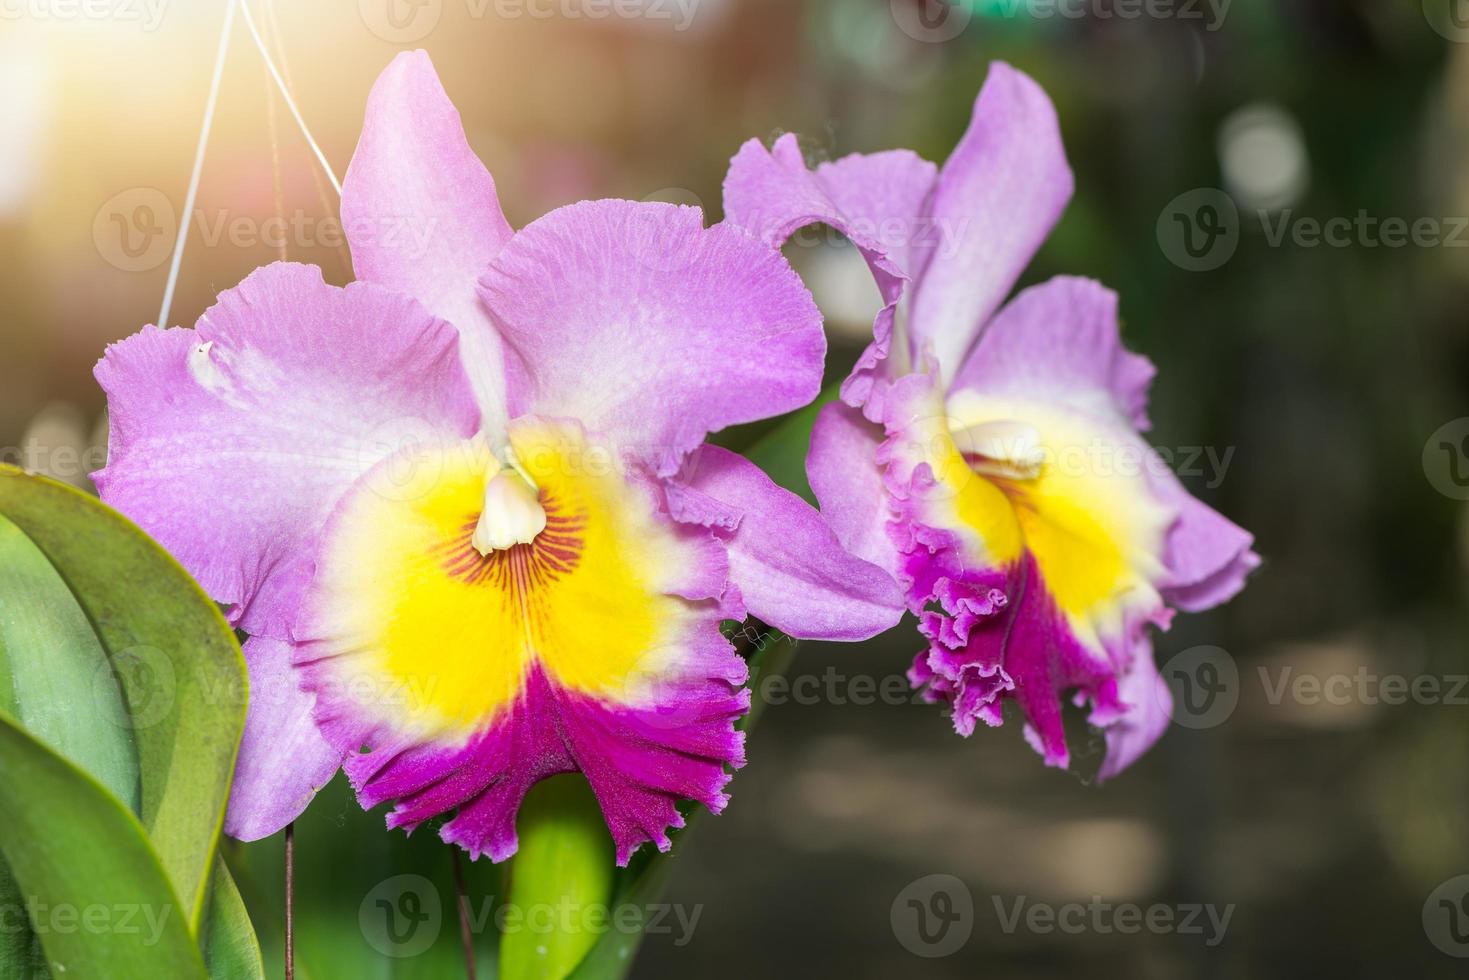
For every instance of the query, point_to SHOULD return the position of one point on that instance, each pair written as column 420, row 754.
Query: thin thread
column 291, row 900
column 193, row 193
column 461, row 899
column 286, row 95
column 275, row 163
column 275, row 37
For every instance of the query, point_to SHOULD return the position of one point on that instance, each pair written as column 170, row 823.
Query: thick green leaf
column 231, row 950
column 21, row 957
column 94, row 891
column 560, row 881
column 55, row 678
column 611, row 958
column 177, row 659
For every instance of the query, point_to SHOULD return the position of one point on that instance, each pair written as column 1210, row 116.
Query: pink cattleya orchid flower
column 988, row 455
column 464, row 506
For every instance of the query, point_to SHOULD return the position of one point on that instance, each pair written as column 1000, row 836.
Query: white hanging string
column 280, row 83
column 193, row 193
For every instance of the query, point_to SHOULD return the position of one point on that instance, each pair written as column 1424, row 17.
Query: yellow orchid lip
column 1032, row 486
column 574, row 583
column 587, row 640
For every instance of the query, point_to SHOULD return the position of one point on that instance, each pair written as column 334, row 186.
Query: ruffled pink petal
column 787, row 562
column 1023, row 649
column 1209, row 556
column 231, row 442
column 644, row 325
column 639, row 761
column 1061, row 341
column 422, row 216
column 995, row 201
column 877, row 201
column 1148, row 710
column 283, row 758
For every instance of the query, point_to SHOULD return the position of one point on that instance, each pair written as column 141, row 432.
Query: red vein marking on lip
column 522, row 567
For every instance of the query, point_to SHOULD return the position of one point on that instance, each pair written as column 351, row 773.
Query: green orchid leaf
column 55, row 678
column 94, row 891
column 611, row 957
column 21, row 955
column 561, row 881
column 176, row 658
column 231, row 949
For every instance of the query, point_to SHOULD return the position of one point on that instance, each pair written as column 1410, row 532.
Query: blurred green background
column 1321, row 376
